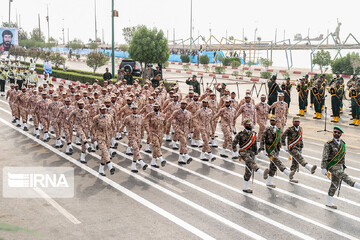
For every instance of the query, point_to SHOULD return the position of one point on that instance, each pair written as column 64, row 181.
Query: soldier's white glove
column 324, row 171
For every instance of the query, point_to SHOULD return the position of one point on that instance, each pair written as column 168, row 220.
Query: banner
column 9, row 38
column 47, row 67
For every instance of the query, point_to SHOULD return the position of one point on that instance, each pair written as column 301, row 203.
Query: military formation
column 95, row 117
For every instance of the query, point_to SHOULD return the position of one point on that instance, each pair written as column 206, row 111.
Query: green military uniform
column 355, row 104
column 333, row 163
column 302, row 90
column 308, row 83
column 312, row 84
column 336, row 96
column 318, row 93
column 246, row 140
column 129, row 79
column 270, row 141
column 274, row 89
column 286, row 87
column 193, row 82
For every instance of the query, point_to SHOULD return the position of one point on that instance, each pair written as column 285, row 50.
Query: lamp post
column 190, row 26
column 10, row 1
column 112, row 40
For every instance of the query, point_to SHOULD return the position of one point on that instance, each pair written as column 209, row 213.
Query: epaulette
column 330, row 141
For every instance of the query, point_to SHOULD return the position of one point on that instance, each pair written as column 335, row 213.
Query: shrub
column 265, row 62
column 77, row 56
column 204, row 59
column 166, row 64
column 285, row 75
column 265, row 75
column 186, row 67
column 235, row 59
column 219, row 70
column 207, row 68
column 184, row 58
column 235, row 73
column 343, row 65
column 226, row 61
column 235, row 64
column 248, row 73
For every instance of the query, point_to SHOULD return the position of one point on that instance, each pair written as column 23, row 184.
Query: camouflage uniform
column 181, row 126
column 203, row 116
column 102, row 123
column 156, row 123
column 82, row 125
column 54, row 109
column 331, row 148
column 281, row 112
column 268, row 138
column 227, row 117
column 262, row 110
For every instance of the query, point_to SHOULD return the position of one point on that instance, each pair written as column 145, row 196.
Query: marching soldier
column 286, row 87
column 156, row 122
column 227, row 114
column 336, row 97
column 247, row 110
column 42, row 109
column 133, row 123
column 182, row 119
column 292, row 142
column 281, row 112
column 355, row 104
column 262, row 114
column 203, row 116
column 54, row 109
column 82, row 124
column 214, row 106
column 302, row 89
column 67, row 126
column 312, row 84
column 100, row 130
column 246, row 140
column 270, row 142
column 22, row 100
column 273, row 92
column 333, row 165
column 317, row 93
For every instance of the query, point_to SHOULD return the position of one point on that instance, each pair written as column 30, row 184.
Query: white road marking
column 120, row 188
column 57, row 206
column 275, row 189
column 256, row 199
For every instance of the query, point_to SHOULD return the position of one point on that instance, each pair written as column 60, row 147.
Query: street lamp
column 10, row 1
column 255, row 34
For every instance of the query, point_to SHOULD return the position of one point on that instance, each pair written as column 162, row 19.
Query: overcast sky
column 221, row 16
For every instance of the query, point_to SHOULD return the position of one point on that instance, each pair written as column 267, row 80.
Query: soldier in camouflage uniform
column 246, row 140
column 54, row 109
column 133, row 123
column 270, row 141
column 333, row 161
column 292, row 142
column 100, row 129
column 22, row 100
column 156, row 122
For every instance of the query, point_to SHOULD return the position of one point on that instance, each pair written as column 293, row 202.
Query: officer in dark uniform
column 355, row 104
column 128, row 77
column 286, row 87
column 193, row 82
column 273, row 92
column 318, row 94
column 313, row 83
column 302, row 89
column 336, row 96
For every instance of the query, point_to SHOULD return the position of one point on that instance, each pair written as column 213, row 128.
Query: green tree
column 57, row 59
column 34, row 53
column 128, row 32
column 149, row 46
column 96, row 60
column 16, row 52
column 75, row 44
column 204, row 59
column 45, row 56
column 322, row 59
column 355, row 61
column 37, row 35
column 184, row 58
column 124, row 47
column 9, row 25
column 93, row 45
column 52, row 42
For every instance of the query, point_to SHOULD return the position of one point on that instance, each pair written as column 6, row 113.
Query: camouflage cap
column 156, row 104
column 55, row 95
column 67, row 99
column 263, row 96
column 281, row 94
column 247, row 96
column 247, row 121
column 102, row 106
column 80, row 101
column 184, row 101
column 107, row 100
column 296, row 119
column 273, row 118
column 204, row 100
column 128, row 99
column 134, row 106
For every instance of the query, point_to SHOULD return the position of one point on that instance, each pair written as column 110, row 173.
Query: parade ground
column 200, row 200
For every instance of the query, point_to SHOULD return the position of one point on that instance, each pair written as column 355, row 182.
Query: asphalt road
column 199, row 200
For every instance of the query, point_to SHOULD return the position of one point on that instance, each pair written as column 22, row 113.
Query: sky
column 226, row 16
